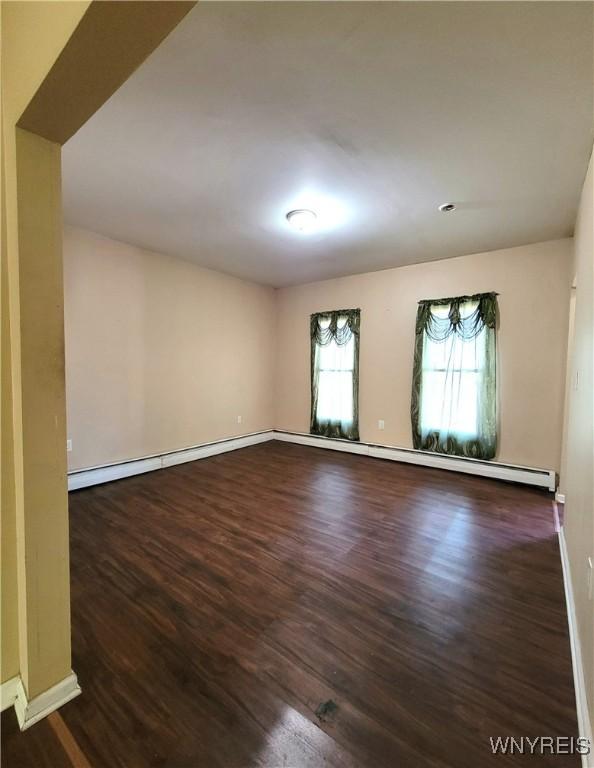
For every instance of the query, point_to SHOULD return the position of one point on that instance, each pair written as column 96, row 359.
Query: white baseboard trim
column 544, row 478
column 212, row 449
column 85, row 477
column 8, row 692
column 30, row 712
column 82, row 478
column 581, row 698
column 560, row 498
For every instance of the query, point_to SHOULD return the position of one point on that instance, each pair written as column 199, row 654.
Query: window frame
column 320, row 337
column 437, row 321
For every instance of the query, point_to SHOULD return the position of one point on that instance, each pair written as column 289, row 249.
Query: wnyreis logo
column 540, row 745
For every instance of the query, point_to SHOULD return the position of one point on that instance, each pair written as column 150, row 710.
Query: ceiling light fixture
column 302, row 219
column 447, row 207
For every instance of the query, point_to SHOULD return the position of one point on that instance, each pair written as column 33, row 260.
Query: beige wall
column 156, row 348
column 160, row 353
column 578, row 484
column 533, row 282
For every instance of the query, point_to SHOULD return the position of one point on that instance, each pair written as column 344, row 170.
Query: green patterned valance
column 323, row 332
column 466, row 325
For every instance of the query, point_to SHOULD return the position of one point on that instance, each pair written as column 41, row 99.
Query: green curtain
column 339, row 326
column 449, row 324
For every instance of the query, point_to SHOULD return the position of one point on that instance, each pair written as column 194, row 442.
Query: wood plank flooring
column 217, row 604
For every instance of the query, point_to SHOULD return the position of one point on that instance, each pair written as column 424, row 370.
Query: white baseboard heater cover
column 543, row 478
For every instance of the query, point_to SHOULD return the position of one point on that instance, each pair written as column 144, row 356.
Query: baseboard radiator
column 94, row 475
column 543, row 478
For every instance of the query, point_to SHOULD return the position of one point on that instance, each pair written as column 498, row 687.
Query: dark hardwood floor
column 216, row 605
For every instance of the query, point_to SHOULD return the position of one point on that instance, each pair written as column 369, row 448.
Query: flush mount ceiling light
column 447, row 207
column 302, row 219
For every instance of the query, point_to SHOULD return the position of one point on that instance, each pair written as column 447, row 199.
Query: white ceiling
column 370, row 113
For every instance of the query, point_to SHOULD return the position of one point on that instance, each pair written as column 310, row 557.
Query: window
column 454, row 381
column 335, row 374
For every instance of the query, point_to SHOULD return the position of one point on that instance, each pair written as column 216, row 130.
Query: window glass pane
column 451, row 380
column 454, row 353
column 335, row 381
column 335, row 398
column 331, row 357
column 449, row 403
column 436, row 354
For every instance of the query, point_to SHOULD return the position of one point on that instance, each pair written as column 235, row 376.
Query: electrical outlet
column 239, row 419
column 590, row 577
column 381, row 424
column 68, row 446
